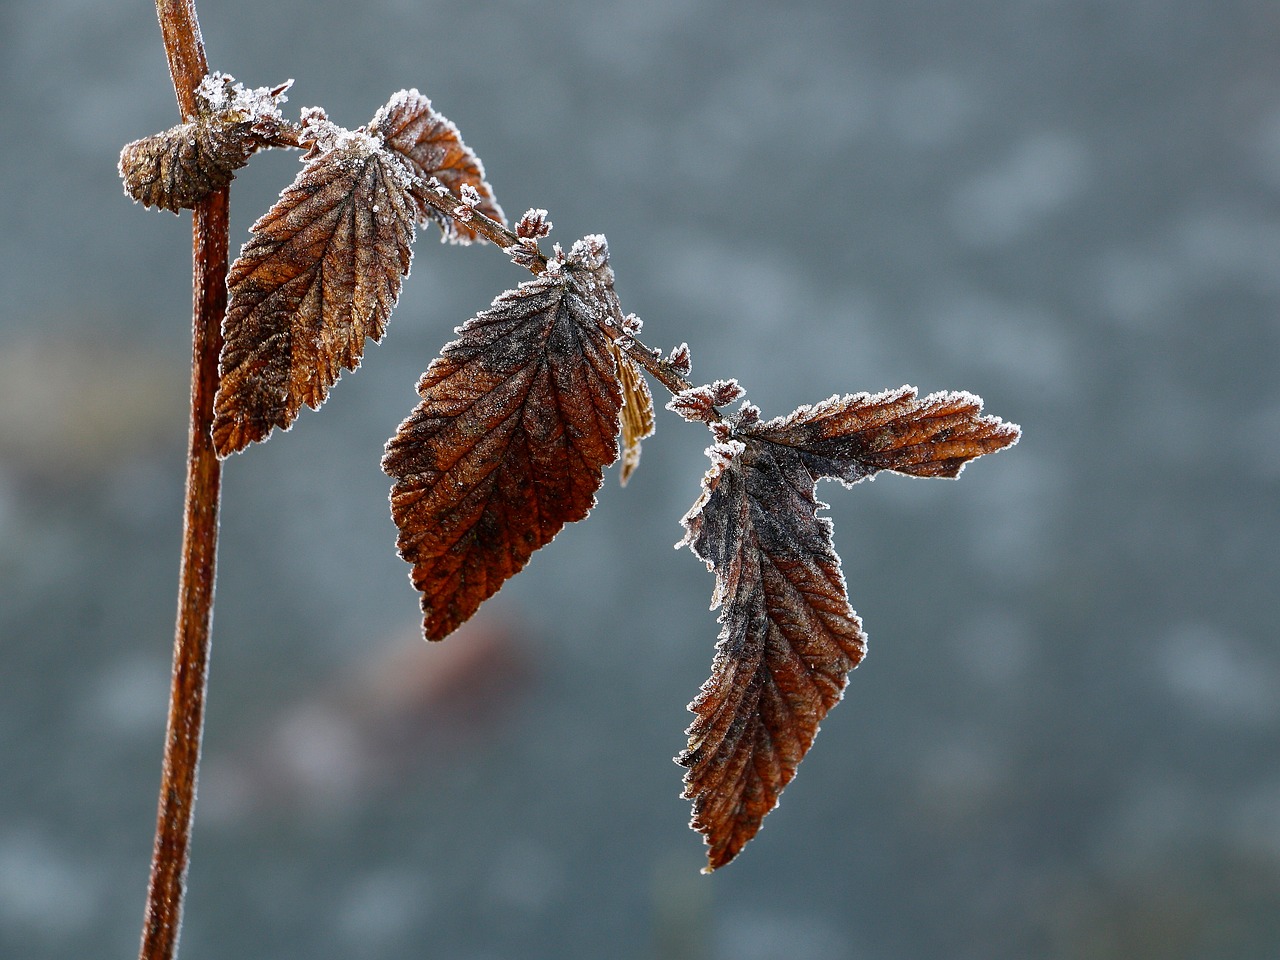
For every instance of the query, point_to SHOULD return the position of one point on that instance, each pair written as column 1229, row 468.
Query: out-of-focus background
column 1065, row 740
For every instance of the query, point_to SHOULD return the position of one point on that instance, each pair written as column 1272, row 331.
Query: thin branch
column 162, row 921
column 435, row 194
column 184, row 48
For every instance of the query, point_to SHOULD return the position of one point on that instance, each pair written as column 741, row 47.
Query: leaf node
column 178, row 168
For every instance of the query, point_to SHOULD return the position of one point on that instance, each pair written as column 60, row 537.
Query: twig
column 162, row 921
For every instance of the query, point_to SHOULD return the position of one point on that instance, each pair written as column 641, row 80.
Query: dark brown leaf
column 788, row 641
column 788, row 636
column 637, row 411
column 320, row 273
column 179, row 167
column 432, row 146
column 518, row 418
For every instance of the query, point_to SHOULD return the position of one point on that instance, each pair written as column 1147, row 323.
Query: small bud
column 592, row 251
column 534, row 224
column 679, row 361
column 724, row 392
column 695, row 404
column 748, row 414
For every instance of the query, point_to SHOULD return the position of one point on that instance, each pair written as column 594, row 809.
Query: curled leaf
column 518, row 418
column 788, row 635
column 432, row 147
column 179, row 167
column 320, row 273
column 637, row 411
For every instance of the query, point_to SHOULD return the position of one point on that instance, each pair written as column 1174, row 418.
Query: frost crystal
column 220, row 95
column 592, row 251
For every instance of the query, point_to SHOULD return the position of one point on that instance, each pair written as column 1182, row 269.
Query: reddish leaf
column 788, row 641
column 852, row 437
column 637, row 411
column 432, row 146
column 518, row 418
column 321, row 273
column 788, row 636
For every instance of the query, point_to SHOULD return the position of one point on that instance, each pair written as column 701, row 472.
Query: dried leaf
column 788, row 641
column 320, row 273
column 518, row 418
column 852, row 437
column 432, row 146
column 178, row 168
column 789, row 636
column 637, row 411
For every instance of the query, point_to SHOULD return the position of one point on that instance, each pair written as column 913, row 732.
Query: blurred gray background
column 1064, row 740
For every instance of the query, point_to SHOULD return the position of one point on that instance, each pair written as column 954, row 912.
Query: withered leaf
column 518, row 418
column 789, row 636
column 637, row 411
column 184, row 164
column 320, row 273
column 787, row 643
column 433, row 147
column 854, row 436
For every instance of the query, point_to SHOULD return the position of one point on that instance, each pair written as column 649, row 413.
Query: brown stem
column 660, row 370
column 496, row 233
column 210, row 231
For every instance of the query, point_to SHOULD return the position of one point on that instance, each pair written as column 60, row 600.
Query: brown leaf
column 637, row 411
column 518, row 418
column 854, row 436
column 179, row 167
column 788, row 641
column 432, row 146
column 320, row 273
column 788, row 636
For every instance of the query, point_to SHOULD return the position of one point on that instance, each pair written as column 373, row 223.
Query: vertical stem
column 163, row 918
